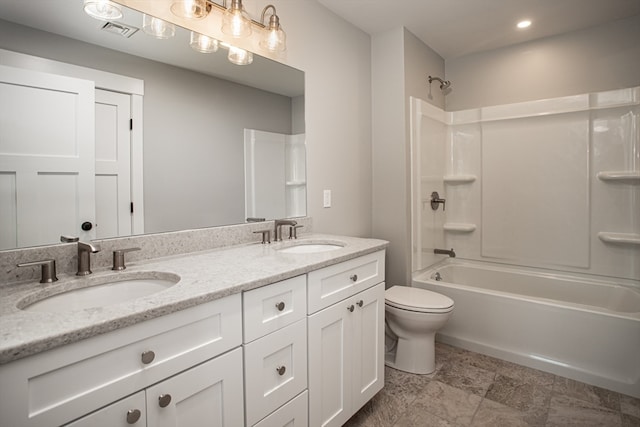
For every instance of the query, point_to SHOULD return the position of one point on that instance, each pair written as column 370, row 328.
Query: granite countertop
column 204, row 276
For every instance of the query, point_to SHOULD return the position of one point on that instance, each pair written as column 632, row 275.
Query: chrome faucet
column 84, row 257
column 277, row 235
column 451, row 253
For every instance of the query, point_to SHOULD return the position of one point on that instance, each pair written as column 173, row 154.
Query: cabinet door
column 207, row 395
column 368, row 352
column 127, row 412
column 330, row 353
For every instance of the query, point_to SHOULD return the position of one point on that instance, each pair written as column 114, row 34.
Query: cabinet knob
column 351, row 308
column 133, row 415
column 360, row 303
column 164, row 400
column 148, row 356
column 281, row 370
column 280, row 306
column 354, row 278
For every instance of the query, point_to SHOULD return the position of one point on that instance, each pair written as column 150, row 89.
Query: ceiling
column 67, row 18
column 458, row 27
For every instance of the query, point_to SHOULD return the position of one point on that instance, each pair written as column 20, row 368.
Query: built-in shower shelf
column 624, row 238
column 459, row 227
column 622, row 176
column 459, row 179
column 295, row 183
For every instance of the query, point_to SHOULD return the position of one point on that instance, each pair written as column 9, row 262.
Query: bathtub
column 575, row 326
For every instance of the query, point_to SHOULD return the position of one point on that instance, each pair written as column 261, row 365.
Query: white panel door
column 330, row 355
column 113, row 164
column 46, row 157
column 210, row 395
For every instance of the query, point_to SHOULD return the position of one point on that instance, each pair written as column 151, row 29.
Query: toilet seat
column 416, row 299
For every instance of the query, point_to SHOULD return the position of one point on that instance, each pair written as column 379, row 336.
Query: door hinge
column 130, row 124
column 131, row 207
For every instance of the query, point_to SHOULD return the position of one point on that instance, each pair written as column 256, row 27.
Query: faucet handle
column 48, row 270
column 293, row 231
column 118, row 258
column 266, row 235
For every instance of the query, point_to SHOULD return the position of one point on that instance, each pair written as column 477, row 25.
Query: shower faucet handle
column 436, row 200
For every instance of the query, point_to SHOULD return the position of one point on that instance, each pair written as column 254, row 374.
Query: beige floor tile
column 567, row 411
column 494, row 414
column 465, row 377
column 449, row 403
column 595, row 395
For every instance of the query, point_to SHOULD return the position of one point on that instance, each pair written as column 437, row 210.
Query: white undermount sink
column 311, row 247
column 100, row 292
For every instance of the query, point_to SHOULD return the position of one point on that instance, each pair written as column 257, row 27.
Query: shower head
column 444, row 84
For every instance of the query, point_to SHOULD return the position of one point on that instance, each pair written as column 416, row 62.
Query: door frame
column 107, row 81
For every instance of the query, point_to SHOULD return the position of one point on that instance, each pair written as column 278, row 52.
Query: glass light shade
column 274, row 40
column 157, row 28
column 190, row 9
column 235, row 21
column 102, row 9
column 203, row 44
column 239, row 56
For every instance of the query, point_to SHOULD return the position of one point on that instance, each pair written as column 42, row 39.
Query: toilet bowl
column 413, row 316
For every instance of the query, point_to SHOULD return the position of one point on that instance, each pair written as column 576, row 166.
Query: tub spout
column 451, row 253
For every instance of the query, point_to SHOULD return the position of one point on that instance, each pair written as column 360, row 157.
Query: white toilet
column 413, row 317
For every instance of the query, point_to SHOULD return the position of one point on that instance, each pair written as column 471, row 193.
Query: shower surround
column 552, row 186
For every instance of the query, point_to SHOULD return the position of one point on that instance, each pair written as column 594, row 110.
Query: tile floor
column 471, row 389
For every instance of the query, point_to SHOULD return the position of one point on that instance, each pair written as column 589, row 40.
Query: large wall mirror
column 199, row 113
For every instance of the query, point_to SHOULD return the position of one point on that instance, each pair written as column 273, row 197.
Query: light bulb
column 203, row 44
column 190, row 9
column 102, row 9
column 239, row 56
column 235, row 21
column 157, row 28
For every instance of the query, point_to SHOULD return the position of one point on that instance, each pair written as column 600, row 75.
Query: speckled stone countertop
column 204, row 276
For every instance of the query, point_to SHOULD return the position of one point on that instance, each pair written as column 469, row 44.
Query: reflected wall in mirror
column 193, row 119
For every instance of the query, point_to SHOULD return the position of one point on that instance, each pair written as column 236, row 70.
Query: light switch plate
column 326, row 202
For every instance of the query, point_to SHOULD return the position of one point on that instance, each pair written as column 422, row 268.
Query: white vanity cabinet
column 170, row 355
column 346, row 338
column 275, row 354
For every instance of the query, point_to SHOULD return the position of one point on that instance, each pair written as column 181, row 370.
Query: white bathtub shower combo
column 543, row 211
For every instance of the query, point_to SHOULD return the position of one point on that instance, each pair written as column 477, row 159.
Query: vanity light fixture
column 274, row 38
column 203, row 44
column 235, row 21
column 191, row 9
column 104, row 10
column 157, row 28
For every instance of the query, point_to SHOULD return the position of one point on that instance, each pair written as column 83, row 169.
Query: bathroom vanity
column 249, row 336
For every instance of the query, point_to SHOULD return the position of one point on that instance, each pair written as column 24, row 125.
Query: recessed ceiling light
column 524, row 24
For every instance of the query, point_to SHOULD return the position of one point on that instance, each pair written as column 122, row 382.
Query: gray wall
column 601, row 58
column 400, row 66
column 193, row 129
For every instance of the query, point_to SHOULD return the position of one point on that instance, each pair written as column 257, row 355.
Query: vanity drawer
column 59, row 385
column 337, row 282
column 272, row 307
column 275, row 370
column 293, row 414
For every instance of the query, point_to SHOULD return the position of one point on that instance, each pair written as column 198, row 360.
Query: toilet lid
column 416, row 299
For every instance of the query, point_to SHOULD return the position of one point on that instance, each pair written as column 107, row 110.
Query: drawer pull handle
column 360, row 303
column 133, row 415
column 351, row 308
column 354, row 278
column 148, row 356
column 280, row 306
column 164, row 400
column 281, row 370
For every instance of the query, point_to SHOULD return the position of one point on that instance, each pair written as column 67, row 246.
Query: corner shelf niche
column 458, row 179
column 622, row 238
column 630, row 177
column 295, row 183
column 459, row 227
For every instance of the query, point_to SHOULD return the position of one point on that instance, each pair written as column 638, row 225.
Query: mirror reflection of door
column 47, row 169
column 113, row 164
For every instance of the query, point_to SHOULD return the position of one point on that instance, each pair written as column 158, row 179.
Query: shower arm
column 444, row 84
